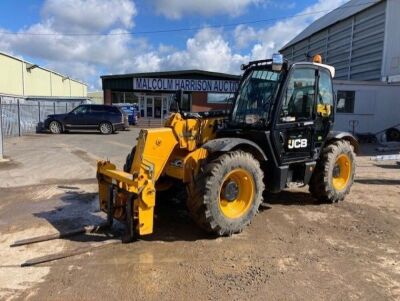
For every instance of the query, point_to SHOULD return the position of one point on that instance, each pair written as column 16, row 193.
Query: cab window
column 298, row 98
column 325, row 93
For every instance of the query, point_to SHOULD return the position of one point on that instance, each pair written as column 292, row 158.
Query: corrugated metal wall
column 353, row 46
column 20, row 117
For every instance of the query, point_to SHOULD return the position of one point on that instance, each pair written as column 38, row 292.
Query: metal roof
column 173, row 74
column 40, row 67
column 342, row 12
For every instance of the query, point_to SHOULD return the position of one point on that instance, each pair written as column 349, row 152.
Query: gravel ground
column 295, row 249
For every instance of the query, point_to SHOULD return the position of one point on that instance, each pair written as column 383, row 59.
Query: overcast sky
column 113, row 51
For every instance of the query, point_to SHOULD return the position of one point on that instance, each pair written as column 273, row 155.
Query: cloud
column 175, row 9
column 87, row 57
column 268, row 40
column 206, row 50
column 88, row 16
column 79, row 56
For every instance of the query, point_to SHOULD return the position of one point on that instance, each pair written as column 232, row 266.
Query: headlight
column 251, row 118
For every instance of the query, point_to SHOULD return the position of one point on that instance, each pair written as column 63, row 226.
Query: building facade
column 361, row 39
column 96, row 97
column 154, row 91
column 367, row 107
column 22, row 79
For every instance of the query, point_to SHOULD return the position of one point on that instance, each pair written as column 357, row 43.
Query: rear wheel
column 106, row 128
column 393, row 134
column 55, row 127
column 334, row 174
column 227, row 193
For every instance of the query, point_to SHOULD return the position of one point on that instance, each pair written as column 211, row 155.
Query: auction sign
column 189, row 85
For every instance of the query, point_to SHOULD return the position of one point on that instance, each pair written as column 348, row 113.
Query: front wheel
column 106, row 128
column 334, row 174
column 55, row 127
column 227, row 193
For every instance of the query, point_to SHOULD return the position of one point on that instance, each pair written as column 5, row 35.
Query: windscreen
column 255, row 97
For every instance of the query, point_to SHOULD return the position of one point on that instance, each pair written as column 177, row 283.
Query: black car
column 105, row 118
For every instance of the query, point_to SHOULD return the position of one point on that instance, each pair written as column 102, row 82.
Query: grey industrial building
column 361, row 39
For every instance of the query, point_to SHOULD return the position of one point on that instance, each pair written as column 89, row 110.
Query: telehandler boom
column 278, row 132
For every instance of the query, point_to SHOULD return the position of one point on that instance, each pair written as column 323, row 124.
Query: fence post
column 39, row 110
column 19, row 118
column 54, row 107
column 1, row 130
column 66, row 107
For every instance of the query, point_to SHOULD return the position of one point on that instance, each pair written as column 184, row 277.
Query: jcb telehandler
column 278, row 132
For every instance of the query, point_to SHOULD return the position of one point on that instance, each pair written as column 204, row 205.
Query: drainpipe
column 51, row 85
column 23, row 78
column 1, row 132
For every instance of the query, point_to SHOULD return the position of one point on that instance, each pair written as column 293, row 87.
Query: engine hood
column 57, row 116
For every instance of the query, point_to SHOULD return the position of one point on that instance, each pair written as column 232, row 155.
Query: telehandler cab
column 277, row 133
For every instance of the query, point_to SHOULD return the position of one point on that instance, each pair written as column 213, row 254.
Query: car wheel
column 106, row 128
column 393, row 134
column 55, row 127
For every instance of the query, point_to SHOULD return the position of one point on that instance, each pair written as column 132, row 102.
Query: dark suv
column 106, row 119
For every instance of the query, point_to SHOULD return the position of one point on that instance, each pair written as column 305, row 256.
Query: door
column 157, row 107
column 142, row 105
column 293, row 131
column 149, row 110
column 78, row 118
column 324, row 108
column 97, row 115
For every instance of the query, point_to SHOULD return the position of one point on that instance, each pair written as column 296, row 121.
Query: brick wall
column 107, row 97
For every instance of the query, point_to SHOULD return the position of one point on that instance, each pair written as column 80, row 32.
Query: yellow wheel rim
column 236, row 193
column 341, row 172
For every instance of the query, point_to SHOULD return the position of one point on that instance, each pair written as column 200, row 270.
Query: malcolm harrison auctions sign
column 190, row 85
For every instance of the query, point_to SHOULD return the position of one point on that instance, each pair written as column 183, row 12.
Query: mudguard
column 229, row 144
column 338, row 135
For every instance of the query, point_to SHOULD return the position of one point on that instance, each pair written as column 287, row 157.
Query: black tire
column 106, row 128
column 130, row 232
column 129, row 160
column 393, row 134
column 204, row 201
column 55, row 127
column 321, row 184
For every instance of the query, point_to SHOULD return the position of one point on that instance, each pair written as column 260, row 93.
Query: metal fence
column 20, row 117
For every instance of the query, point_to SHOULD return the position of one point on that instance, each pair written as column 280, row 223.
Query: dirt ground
column 295, row 249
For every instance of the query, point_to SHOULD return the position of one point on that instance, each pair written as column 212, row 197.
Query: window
column 254, row 98
column 81, row 110
column 97, row 109
column 298, row 98
column 112, row 109
column 325, row 95
column 218, row 97
column 345, row 101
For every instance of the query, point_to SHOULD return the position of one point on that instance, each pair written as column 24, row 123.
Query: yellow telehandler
column 278, row 132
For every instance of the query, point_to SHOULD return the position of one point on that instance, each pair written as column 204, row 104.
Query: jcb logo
column 297, row 143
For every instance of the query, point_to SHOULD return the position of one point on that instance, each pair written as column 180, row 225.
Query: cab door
column 325, row 109
column 293, row 129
